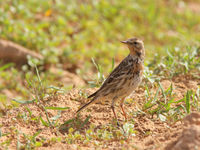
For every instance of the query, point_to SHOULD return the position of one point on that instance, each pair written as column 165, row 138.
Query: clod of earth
column 190, row 136
column 12, row 52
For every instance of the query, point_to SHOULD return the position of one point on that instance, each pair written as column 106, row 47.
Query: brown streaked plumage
column 124, row 78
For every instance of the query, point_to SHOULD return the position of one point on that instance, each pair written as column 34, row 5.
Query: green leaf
column 68, row 121
column 6, row 66
column 147, row 91
column 156, row 95
column 36, row 134
column 38, row 144
column 162, row 90
column 38, row 75
column 24, row 102
column 44, row 122
column 55, row 88
column 85, row 121
column 178, row 101
column 57, row 108
column 187, row 101
column 18, row 142
column 30, row 112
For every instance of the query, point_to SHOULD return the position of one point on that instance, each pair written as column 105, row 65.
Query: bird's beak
column 125, row 42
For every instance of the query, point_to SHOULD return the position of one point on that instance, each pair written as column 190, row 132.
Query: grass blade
column 162, row 90
column 18, row 142
column 187, row 101
column 36, row 134
column 85, row 122
column 38, row 75
column 68, row 121
column 29, row 111
column 57, row 108
column 24, row 102
column 44, row 122
column 156, row 95
column 6, row 66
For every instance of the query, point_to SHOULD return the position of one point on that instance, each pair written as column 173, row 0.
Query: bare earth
column 151, row 132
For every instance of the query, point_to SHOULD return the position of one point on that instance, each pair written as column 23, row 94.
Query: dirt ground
column 152, row 133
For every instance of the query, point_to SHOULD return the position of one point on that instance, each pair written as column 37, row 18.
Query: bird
column 123, row 80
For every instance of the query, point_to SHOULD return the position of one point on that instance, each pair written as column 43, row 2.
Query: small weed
column 166, row 107
column 177, row 61
column 40, row 92
column 75, row 124
column 29, row 141
column 100, row 76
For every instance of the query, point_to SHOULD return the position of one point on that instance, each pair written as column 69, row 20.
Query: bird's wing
column 117, row 75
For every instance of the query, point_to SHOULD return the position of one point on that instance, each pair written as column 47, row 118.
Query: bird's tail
column 84, row 106
column 94, row 94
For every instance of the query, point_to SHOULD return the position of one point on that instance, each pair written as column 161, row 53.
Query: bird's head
column 135, row 46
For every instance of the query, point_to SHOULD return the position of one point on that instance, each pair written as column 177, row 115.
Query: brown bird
column 125, row 78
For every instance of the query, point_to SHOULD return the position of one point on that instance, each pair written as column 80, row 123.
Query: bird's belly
column 136, row 82
column 129, row 86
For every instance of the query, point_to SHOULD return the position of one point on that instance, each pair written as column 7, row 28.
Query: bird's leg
column 113, row 109
column 121, row 105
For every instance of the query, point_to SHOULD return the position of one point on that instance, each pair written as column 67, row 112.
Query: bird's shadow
column 75, row 123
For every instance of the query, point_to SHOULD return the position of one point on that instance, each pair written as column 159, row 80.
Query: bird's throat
column 137, row 55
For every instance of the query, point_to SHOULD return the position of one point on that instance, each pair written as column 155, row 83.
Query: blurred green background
column 68, row 33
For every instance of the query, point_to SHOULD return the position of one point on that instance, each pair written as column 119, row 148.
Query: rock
column 190, row 136
column 11, row 52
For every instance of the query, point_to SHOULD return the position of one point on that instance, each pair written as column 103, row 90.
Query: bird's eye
column 135, row 43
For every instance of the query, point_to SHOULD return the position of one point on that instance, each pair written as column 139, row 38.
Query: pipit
column 124, row 79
